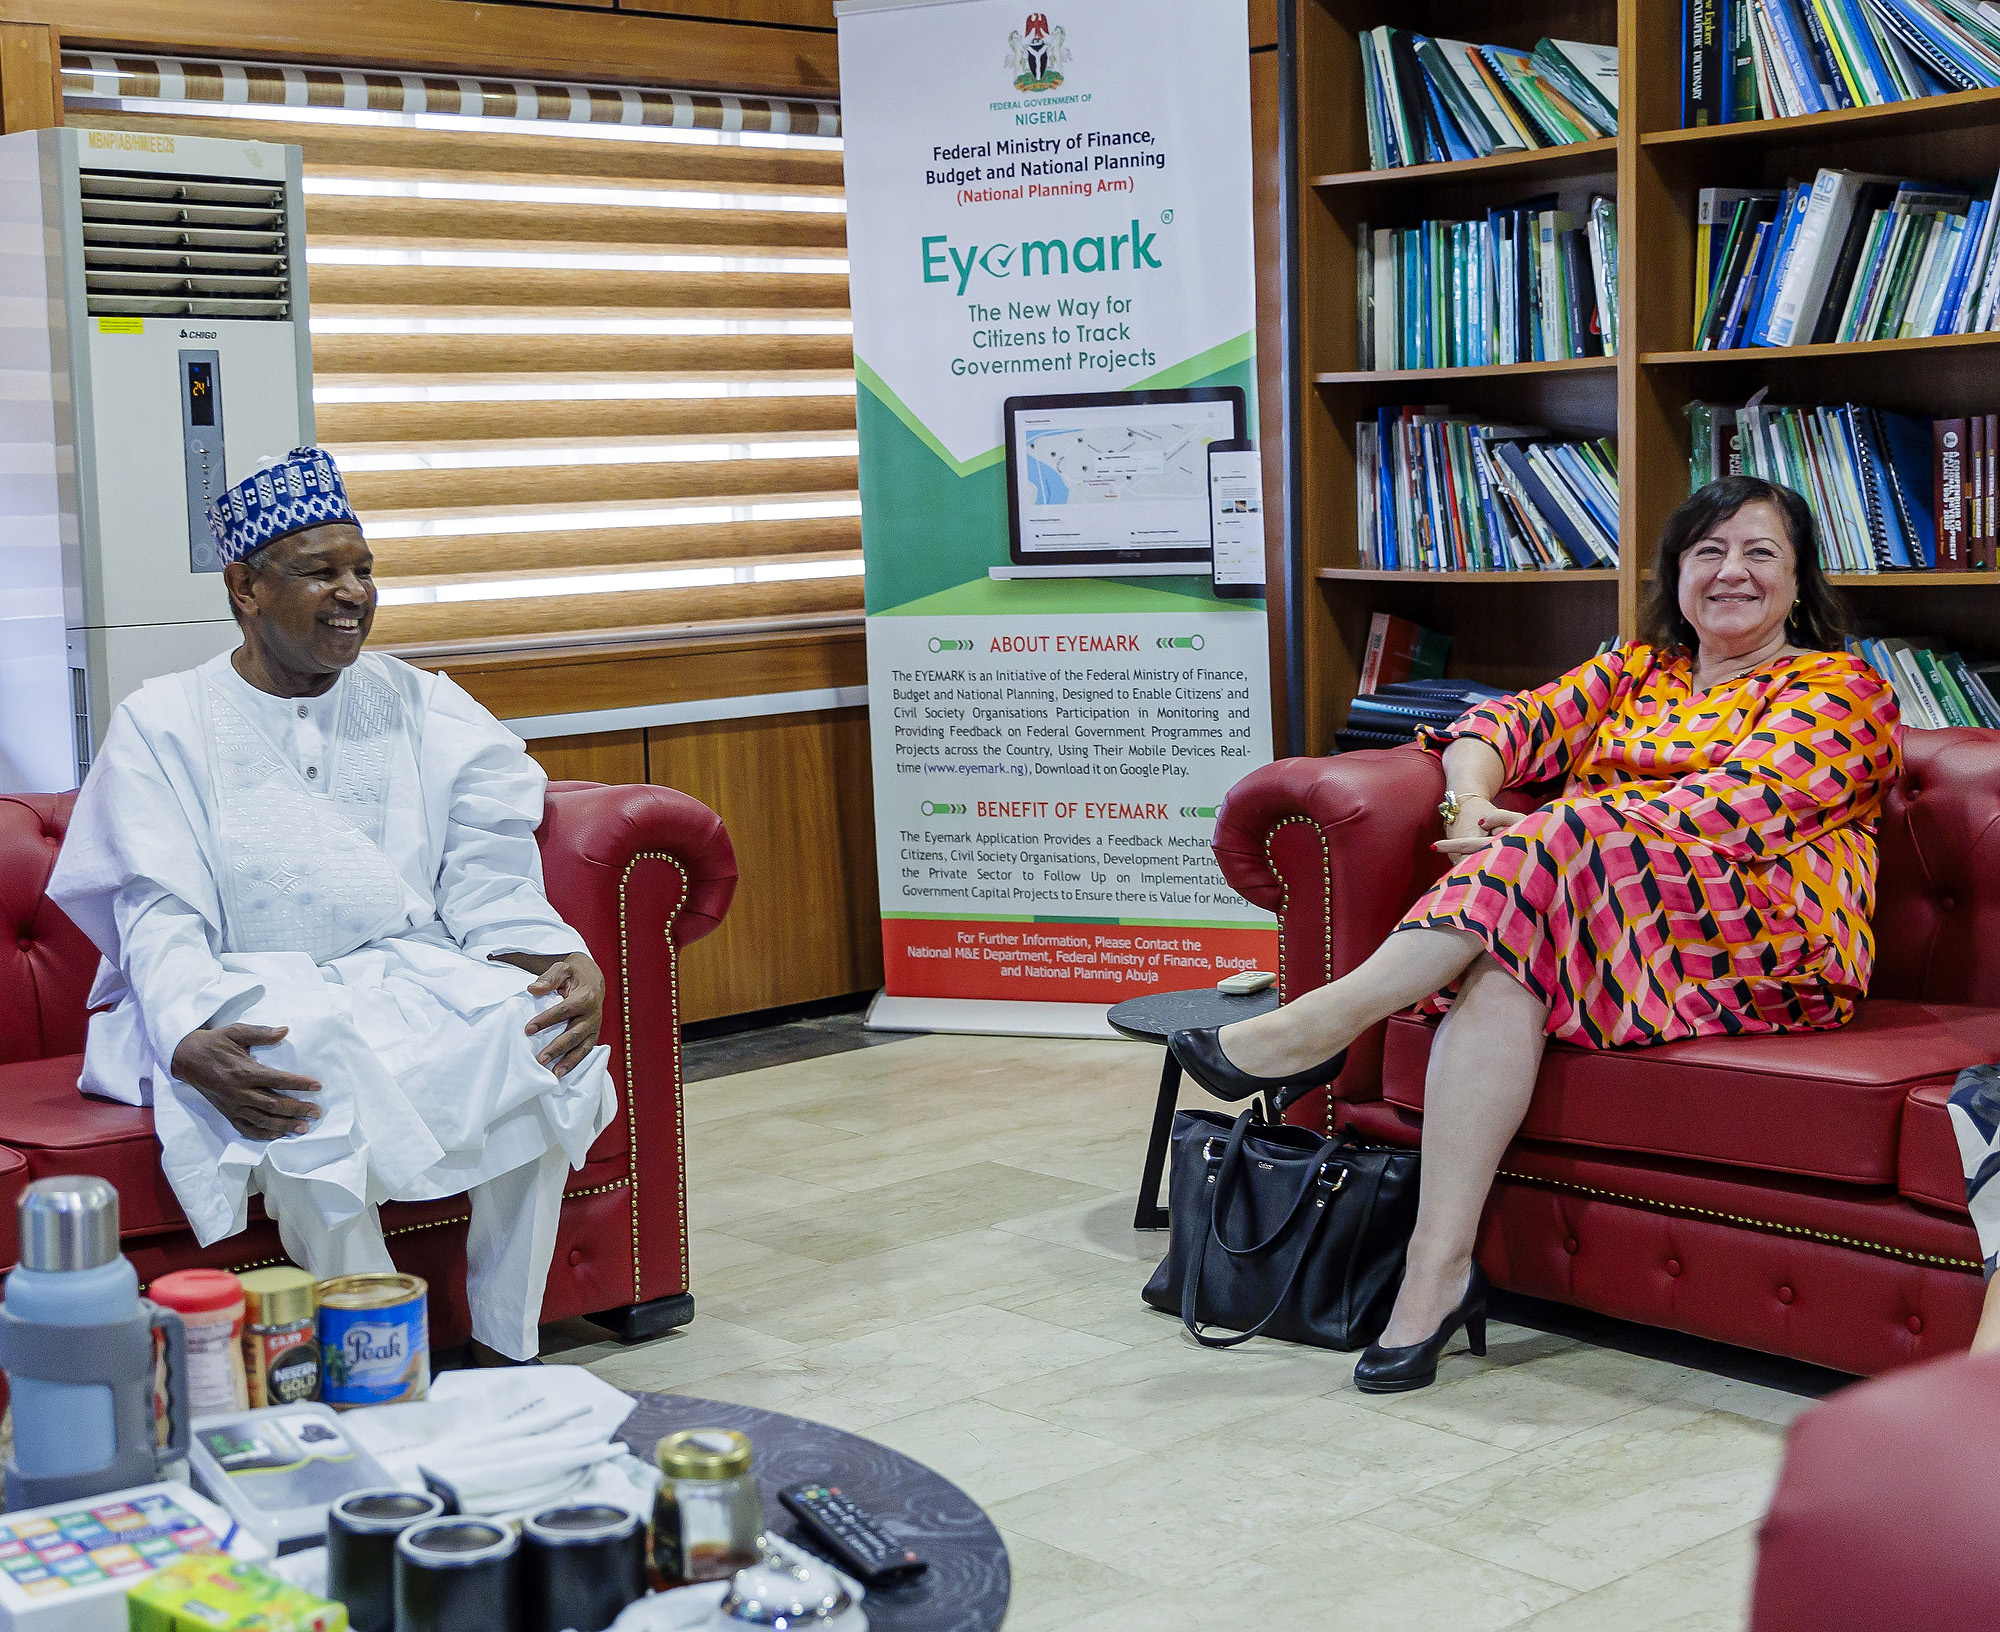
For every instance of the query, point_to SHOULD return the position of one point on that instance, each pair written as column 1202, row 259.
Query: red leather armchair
column 1884, row 1515
column 1801, row 1195
column 638, row 871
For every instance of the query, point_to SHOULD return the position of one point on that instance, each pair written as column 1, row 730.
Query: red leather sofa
column 1800, row 1194
column 1884, row 1515
column 637, row 871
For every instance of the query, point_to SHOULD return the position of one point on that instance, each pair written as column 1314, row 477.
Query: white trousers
column 507, row 1250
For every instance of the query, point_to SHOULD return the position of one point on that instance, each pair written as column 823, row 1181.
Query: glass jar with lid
column 709, row 1514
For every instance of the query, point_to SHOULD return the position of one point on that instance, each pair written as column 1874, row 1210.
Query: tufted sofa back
column 1937, row 908
column 46, row 963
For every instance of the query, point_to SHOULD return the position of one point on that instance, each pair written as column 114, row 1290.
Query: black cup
column 458, row 1575
column 361, row 1532
column 581, row 1565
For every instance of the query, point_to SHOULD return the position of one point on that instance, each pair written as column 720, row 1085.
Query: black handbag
column 1279, row 1232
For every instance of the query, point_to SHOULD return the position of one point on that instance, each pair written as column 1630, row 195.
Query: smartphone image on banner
column 1236, row 519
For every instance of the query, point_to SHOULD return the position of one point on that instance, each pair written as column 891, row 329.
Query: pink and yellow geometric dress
column 1710, row 866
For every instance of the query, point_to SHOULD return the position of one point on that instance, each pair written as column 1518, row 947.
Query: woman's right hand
column 1479, row 822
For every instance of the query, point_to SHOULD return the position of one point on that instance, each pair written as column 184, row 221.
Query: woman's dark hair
column 1818, row 622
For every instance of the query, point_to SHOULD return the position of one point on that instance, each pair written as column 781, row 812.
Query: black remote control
column 857, row 1544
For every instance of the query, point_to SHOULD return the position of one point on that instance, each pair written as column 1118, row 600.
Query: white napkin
column 510, row 1440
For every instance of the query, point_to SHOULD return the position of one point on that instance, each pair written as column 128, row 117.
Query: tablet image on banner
column 1114, row 479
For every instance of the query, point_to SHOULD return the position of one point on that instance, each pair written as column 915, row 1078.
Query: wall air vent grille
column 184, row 246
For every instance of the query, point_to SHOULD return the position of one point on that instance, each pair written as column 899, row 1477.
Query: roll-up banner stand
column 1051, row 259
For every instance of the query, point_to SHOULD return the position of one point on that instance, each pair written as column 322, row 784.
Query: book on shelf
column 1441, row 492
column 1849, row 257
column 1428, row 100
column 1888, row 491
column 1396, row 712
column 1935, row 688
column 1526, row 284
column 1780, row 59
column 1401, row 650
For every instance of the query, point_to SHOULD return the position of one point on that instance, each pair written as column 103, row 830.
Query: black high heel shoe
column 1201, row 1056
column 1415, row 1365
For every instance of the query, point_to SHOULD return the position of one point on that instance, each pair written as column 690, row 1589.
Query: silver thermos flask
column 76, row 1342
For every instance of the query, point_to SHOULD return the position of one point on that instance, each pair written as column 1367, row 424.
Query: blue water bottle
column 76, row 1342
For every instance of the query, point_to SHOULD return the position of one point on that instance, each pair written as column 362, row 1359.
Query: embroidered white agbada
column 341, row 865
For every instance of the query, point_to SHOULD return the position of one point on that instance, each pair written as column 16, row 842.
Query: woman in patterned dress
column 1709, row 869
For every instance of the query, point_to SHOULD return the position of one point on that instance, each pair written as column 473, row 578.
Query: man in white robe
column 329, row 962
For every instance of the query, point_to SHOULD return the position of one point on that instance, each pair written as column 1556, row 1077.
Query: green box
column 211, row 1592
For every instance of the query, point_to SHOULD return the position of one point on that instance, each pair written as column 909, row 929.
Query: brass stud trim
column 429, row 1224
column 674, row 1010
column 1765, row 1224
column 1285, row 910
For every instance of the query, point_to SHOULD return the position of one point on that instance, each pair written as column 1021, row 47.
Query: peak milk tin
column 374, row 1337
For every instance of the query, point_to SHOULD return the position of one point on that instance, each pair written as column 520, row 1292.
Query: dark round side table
column 1153, row 1019
column 969, row 1580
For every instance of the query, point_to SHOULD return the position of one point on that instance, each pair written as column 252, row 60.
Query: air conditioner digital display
column 201, row 393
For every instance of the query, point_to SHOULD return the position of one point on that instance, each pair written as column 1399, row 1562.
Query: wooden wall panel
column 699, row 51
column 581, row 679
column 770, row 13
column 606, row 756
column 796, row 795
column 30, row 85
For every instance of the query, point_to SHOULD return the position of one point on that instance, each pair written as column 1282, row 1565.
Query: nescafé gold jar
column 280, row 1335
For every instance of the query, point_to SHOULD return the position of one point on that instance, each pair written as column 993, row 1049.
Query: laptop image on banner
column 1114, row 484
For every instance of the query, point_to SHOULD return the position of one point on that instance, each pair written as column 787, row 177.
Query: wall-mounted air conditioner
column 154, row 347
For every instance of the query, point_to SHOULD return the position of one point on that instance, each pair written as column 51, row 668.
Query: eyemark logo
column 1130, row 251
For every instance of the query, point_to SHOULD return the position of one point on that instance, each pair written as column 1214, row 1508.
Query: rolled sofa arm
column 593, row 839
column 639, row 872
column 1338, row 848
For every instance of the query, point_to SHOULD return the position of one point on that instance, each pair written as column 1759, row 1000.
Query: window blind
column 583, row 352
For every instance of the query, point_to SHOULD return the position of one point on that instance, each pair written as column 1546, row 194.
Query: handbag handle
column 1231, row 1174
column 1208, row 1229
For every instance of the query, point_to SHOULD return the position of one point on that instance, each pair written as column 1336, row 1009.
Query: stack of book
column 1849, row 257
column 1777, row 59
column 1889, row 492
column 1439, row 492
column 1431, row 100
column 1934, row 689
column 1396, row 713
column 1527, row 284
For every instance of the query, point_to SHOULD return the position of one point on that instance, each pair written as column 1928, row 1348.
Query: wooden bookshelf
column 1511, row 580
column 1490, row 371
column 1509, row 629
column 1548, row 621
column 1932, row 116
column 1539, row 164
column 1874, row 349
column 1913, row 580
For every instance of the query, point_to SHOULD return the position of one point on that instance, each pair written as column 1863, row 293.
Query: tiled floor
column 930, row 1243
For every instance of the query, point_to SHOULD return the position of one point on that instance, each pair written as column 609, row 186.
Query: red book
column 1949, row 440
column 1991, row 557
column 1401, row 650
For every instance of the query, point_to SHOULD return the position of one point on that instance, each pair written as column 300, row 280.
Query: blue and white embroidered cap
column 301, row 490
